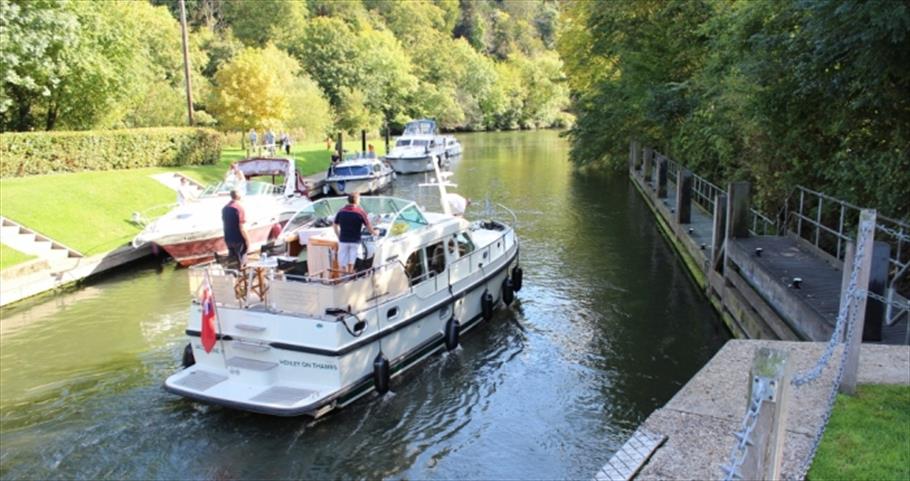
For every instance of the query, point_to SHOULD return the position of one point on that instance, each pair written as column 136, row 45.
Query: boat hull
column 411, row 165
column 336, row 377
column 202, row 249
column 363, row 185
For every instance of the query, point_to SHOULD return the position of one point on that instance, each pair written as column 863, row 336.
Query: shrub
column 34, row 153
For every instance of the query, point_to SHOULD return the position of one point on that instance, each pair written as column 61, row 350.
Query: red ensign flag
column 208, row 318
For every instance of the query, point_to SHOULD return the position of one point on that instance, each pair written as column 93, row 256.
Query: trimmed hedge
column 34, row 153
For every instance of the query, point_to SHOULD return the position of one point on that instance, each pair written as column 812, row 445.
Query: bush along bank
column 34, row 153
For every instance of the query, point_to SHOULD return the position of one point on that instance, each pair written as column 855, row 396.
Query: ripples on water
column 607, row 327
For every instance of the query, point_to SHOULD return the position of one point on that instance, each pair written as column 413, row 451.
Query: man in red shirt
column 235, row 236
column 348, row 223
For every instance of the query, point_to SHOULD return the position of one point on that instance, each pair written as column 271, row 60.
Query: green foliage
column 254, row 89
column 478, row 64
column 868, row 437
column 36, row 153
column 256, row 23
column 90, row 65
column 777, row 93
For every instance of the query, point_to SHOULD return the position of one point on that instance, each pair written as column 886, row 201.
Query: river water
column 607, row 328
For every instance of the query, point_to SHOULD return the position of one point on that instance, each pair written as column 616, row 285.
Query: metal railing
column 827, row 223
column 761, row 224
column 704, row 193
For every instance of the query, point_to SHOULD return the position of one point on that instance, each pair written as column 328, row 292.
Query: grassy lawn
column 868, row 437
column 91, row 211
column 10, row 257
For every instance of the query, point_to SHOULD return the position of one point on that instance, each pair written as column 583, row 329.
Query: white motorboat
column 361, row 172
column 298, row 337
column 420, row 146
column 193, row 232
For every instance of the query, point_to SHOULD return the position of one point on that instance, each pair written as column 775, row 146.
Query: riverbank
column 699, row 421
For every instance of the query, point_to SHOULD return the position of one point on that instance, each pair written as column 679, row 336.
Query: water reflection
column 607, row 327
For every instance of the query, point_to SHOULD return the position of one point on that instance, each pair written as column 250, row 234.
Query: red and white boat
column 193, row 232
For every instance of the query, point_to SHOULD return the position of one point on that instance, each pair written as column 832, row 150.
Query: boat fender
column 188, row 358
column 508, row 291
column 517, row 275
column 486, row 305
column 381, row 373
column 453, row 327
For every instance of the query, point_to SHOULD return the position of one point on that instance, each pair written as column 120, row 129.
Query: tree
column 256, row 23
column 34, row 36
column 329, row 53
column 252, row 89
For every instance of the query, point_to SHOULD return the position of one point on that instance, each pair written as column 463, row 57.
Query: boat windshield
column 351, row 170
column 420, row 143
column 252, row 187
column 420, row 127
column 360, row 155
column 402, row 143
column 381, row 209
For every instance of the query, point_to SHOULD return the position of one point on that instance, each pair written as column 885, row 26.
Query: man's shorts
column 347, row 253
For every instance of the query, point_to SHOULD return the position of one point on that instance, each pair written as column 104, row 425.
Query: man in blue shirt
column 348, row 223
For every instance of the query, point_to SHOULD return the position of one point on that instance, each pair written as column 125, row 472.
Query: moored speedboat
column 193, row 232
column 362, row 173
column 419, row 146
column 298, row 337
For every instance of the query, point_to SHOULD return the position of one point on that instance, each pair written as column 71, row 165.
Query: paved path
column 701, row 417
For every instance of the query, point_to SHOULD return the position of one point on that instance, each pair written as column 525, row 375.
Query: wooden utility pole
column 186, row 62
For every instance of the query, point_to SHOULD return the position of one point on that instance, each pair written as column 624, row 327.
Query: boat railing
column 255, row 286
column 314, row 295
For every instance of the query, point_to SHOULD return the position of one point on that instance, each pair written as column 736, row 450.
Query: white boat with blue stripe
column 362, row 173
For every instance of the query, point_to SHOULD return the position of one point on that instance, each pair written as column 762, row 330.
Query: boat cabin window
column 403, row 143
column 352, row 170
column 436, row 258
column 465, row 245
column 420, row 143
column 415, row 268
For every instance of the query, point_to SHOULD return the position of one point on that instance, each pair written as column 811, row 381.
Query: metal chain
column 744, row 436
column 832, row 398
column 899, row 235
column 848, row 299
column 884, row 300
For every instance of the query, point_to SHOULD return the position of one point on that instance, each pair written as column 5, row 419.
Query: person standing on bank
column 253, row 139
column 235, row 236
column 348, row 223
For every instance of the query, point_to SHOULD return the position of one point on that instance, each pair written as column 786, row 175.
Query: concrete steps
column 33, row 243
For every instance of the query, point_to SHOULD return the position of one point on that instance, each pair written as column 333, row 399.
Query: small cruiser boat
column 295, row 336
column 361, row 172
column 420, row 146
column 193, row 232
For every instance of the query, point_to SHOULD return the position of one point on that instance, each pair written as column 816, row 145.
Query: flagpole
column 218, row 335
